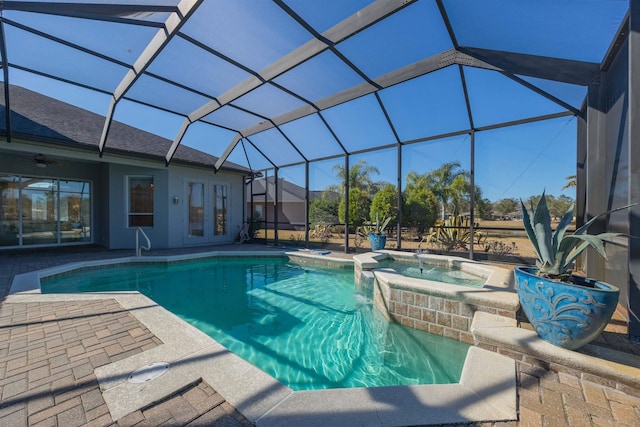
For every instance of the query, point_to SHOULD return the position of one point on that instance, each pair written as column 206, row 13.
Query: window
column 196, row 209
column 140, row 201
column 220, row 209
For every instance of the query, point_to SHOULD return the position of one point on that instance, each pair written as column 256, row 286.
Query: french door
column 207, row 210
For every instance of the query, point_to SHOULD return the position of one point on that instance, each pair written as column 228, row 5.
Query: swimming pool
column 304, row 325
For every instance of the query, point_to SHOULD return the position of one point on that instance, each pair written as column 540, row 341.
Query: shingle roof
column 37, row 117
column 289, row 192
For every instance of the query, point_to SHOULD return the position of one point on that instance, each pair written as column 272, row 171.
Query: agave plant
column 557, row 251
column 376, row 227
column 454, row 233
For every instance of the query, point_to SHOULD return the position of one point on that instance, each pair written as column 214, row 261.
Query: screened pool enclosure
column 440, row 114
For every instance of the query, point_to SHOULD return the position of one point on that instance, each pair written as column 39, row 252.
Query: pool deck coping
column 486, row 391
column 504, row 332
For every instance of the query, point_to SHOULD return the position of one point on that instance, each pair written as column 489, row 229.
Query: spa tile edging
column 438, row 308
column 611, row 368
column 318, row 259
column 447, row 314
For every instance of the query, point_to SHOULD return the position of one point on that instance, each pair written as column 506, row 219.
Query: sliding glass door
column 43, row 211
column 9, row 210
column 39, row 211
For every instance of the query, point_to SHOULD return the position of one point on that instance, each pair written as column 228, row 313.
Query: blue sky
column 510, row 162
column 548, row 145
column 543, row 158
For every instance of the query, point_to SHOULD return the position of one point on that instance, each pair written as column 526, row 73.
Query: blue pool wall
column 439, row 308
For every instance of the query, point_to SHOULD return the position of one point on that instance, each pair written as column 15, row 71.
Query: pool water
column 432, row 272
column 305, row 326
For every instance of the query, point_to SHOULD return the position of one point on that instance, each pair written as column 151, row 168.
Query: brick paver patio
column 48, row 353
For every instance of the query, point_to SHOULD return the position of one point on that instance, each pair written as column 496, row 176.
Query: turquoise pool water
column 305, row 326
column 432, row 272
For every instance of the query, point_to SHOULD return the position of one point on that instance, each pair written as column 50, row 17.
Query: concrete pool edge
column 486, row 392
column 191, row 354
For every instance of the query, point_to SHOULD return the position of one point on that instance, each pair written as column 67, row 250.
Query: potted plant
column 375, row 232
column 565, row 309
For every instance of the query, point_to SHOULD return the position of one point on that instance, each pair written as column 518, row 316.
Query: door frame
column 208, row 215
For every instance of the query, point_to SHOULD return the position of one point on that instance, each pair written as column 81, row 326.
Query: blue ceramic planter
column 565, row 314
column 377, row 241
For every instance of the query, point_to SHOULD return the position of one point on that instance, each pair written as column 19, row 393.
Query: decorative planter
column 564, row 314
column 377, row 241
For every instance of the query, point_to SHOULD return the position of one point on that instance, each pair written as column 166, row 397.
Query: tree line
column 426, row 198
column 558, row 206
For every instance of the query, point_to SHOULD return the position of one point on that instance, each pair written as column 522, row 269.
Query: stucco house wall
column 41, row 127
column 179, row 177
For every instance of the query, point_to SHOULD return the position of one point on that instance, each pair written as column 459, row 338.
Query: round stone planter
column 377, row 241
column 565, row 314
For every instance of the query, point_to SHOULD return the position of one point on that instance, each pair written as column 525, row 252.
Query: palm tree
column 441, row 182
column 360, row 177
column 572, row 182
column 416, row 182
column 362, row 187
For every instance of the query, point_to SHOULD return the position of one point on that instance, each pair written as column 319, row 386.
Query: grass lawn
column 501, row 234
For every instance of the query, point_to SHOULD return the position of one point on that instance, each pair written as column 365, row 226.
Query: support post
column 596, row 184
column 634, row 169
column 473, row 194
column 5, row 82
column 306, row 204
column 399, row 190
column 346, row 209
column 275, row 206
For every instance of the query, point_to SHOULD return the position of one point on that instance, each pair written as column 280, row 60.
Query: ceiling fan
column 41, row 161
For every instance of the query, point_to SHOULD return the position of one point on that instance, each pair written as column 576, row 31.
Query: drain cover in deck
column 148, row 373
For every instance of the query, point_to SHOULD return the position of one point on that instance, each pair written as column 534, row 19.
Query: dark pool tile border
column 162, row 260
column 30, row 282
